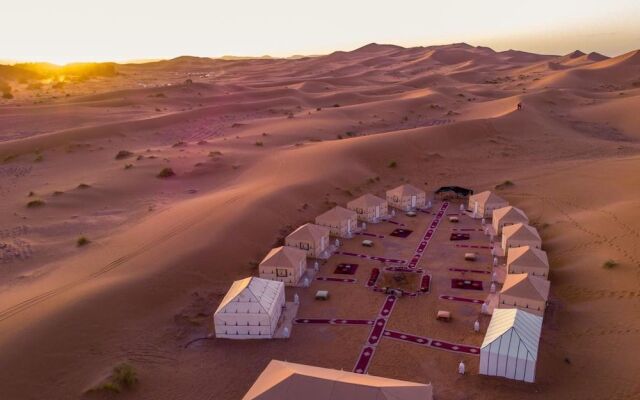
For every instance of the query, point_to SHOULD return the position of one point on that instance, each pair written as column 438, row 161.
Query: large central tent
column 510, row 346
column 251, row 309
column 289, row 381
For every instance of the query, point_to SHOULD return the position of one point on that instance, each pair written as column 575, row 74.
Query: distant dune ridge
column 105, row 258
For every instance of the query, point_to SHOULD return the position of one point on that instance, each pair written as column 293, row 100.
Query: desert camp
column 313, row 239
column 285, row 264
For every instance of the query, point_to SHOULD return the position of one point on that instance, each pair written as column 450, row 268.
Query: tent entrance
column 413, row 201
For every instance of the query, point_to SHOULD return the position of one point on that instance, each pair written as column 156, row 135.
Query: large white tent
column 251, row 309
column 510, row 346
column 289, row 381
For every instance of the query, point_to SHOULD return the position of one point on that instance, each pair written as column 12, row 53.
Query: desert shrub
column 609, row 264
column 265, row 134
column 123, row 376
column 179, row 144
column 128, row 166
column 58, row 193
column 122, row 154
column 35, row 203
column 38, row 158
column 259, row 144
column 319, row 109
column 83, row 186
column 393, row 164
column 7, row 95
column 336, row 105
column 350, row 134
column 166, row 173
column 339, row 136
column 215, row 153
column 504, row 185
column 82, row 241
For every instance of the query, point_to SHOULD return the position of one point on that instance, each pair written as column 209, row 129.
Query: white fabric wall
column 508, row 358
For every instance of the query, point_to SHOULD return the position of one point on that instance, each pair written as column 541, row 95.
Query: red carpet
column 346, row 269
column 331, row 279
column 463, row 299
column 466, row 284
column 401, row 233
column 475, row 271
column 375, row 273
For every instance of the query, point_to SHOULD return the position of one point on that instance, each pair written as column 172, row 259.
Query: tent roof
column 309, row 231
column 513, row 213
column 405, row 190
column 288, row 381
column 457, row 189
column 366, row 201
column 253, row 289
column 337, row 213
column 487, row 197
column 520, row 231
column 286, row 256
column 528, row 256
column 526, row 286
column 515, row 327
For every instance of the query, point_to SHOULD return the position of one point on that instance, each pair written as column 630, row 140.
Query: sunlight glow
column 78, row 30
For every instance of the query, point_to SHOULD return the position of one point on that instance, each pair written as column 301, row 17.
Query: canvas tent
column 289, row 381
column 519, row 235
column 527, row 259
column 507, row 216
column 285, row 264
column 406, row 197
column 526, row 292
column 369, row 208
column 340, row 221
column 483, row 204
column 311, row 238
column 510, row 346
column 251, row 309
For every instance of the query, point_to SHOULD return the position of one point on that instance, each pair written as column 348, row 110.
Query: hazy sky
column 89, row 30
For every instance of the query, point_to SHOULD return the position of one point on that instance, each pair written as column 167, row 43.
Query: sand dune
column 259, row 146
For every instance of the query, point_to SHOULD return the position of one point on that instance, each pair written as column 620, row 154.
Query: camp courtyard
column 450, row 279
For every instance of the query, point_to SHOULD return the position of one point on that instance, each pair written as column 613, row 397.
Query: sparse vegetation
column 58, row 193
column 215, row 153
column 336, row 105
column 82, row 241
column 35, row 203
column 166, row 173
column 83, row 186
column 122, row 154
column 393, row 164
column 179, row 144
column 259, row 143
column 128, row 166
column 609, row 264
column 339, row 136
column 504, row 185
column 123, row 376
column 38, row 158
column 350, row 134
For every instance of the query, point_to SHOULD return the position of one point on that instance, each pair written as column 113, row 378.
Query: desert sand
column 259, row 147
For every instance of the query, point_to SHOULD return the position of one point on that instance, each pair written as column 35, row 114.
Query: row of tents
column 253, row 306
column 510, row 346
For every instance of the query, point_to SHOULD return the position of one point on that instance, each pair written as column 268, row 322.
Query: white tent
column 289, row 381
column 251, row 309
column 510, row 346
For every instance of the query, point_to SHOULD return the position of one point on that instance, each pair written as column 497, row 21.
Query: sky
column 62, row 31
